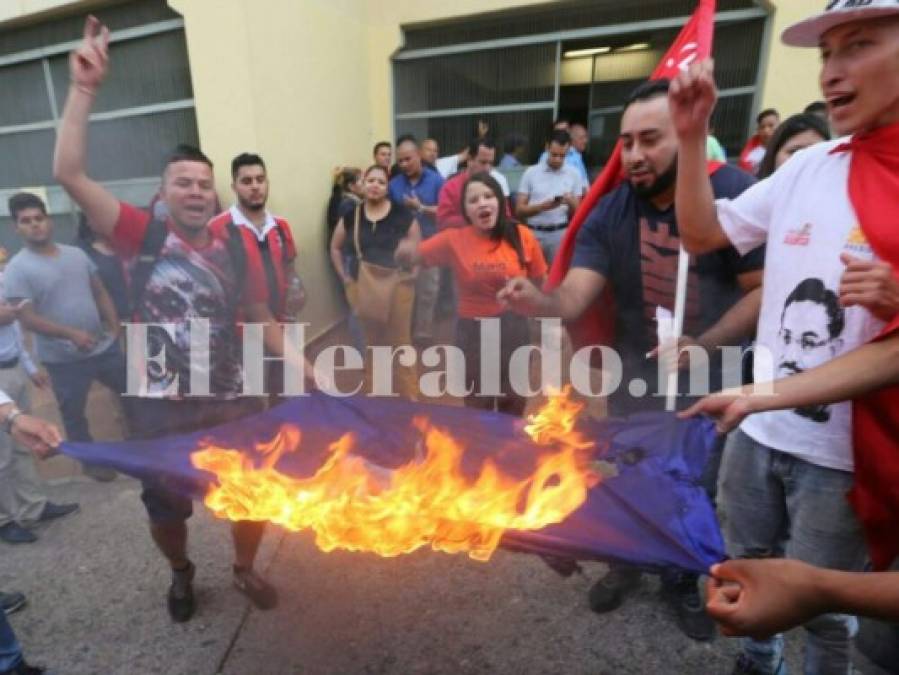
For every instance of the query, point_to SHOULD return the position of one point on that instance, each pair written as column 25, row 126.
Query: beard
column 663, row 182
column 248, row 205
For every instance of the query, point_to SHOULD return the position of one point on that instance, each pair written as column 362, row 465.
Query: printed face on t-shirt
column 188, row 191
column 810, row 328
column 860, row 74
column 649, row 146
column 251, row 187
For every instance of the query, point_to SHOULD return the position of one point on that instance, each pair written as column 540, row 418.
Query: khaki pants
column 395, row 332
column 21, row 499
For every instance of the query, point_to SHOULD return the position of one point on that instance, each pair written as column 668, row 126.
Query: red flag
column 873, row 186
column 596, row 325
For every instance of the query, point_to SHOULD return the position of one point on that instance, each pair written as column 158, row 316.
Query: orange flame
column 353, row 504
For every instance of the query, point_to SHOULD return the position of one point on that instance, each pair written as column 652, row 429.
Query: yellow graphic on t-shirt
column 856, row 237
column 857, row 242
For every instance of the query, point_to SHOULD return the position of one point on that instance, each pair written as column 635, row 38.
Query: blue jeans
column 777, row 505
column 72, row 381
column 550, row 242
column 10, row 651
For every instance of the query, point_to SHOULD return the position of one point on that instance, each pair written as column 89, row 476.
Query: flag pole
column 680, row 304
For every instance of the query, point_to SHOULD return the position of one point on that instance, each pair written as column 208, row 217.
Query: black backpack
column 151, row 247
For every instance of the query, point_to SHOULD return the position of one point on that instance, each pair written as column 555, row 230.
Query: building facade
column 313, row 84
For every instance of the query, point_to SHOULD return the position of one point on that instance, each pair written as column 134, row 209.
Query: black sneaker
column 688, row 607
column 261, row 593
column 12, row 602
column 746, row 666
column 52, row 511
column 24, row 669
column 13, row 533
column 608, row 593
column 181, row 594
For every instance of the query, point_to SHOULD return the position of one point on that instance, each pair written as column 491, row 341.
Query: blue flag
column 648, row 510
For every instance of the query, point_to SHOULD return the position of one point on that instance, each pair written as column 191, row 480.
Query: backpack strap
column 150, row 248
column 238, row 253
column 356, row 233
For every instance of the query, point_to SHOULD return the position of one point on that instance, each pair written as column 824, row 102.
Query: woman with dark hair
column 346, row 193
column 483, row 256
column 795, row 133
column 372, row 231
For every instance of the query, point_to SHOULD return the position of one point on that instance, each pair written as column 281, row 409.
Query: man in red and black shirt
column 271, row 233
column 274, row 241
column 181, row 269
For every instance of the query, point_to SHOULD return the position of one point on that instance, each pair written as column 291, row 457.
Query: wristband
column 83, row 89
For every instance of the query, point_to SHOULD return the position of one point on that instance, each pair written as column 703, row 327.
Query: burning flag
column 355, row 504
column 392, row 476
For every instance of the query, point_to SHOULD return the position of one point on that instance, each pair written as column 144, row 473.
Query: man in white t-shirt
column 785, row 474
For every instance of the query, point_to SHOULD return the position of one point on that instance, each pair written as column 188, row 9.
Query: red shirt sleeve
column 448, row 214
column 130, row 229
column 255, row 288
column 290, row 248
column 437, row 250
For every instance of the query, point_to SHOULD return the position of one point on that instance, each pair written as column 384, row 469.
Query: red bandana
column 874, row 193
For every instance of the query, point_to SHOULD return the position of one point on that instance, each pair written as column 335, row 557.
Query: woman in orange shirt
column 483, row 257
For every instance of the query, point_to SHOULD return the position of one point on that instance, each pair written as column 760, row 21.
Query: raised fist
column 89, row 63
column 692, row 99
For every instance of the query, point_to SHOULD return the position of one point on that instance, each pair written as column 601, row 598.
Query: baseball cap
column 807, row 33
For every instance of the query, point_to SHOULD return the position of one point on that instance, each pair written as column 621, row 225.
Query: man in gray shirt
column 22, row 501
column 69, row 311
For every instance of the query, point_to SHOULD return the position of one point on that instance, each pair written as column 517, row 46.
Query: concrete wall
column 289, row 83
column 790, row 74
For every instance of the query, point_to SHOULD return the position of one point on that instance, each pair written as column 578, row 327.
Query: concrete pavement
column 96, row 590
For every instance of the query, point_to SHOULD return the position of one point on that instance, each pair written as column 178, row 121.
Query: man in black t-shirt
column 630, row 241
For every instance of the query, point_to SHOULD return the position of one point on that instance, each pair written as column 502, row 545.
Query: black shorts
column 154, row 418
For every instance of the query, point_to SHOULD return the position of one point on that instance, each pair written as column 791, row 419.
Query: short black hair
column 245, row 159
column 814, row 290
column 25, row 200
column 648, row 90
column 184, row 152
column 767, row 112
column 379, row 145
column 559, row 136
column 514, row 141
column 816, row 107
column 477, row 143
column 406, row 138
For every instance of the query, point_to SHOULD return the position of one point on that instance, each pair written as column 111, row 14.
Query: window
column 144, row 109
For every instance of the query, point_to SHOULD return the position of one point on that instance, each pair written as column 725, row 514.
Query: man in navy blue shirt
column 630, row 242
column 417, row 187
